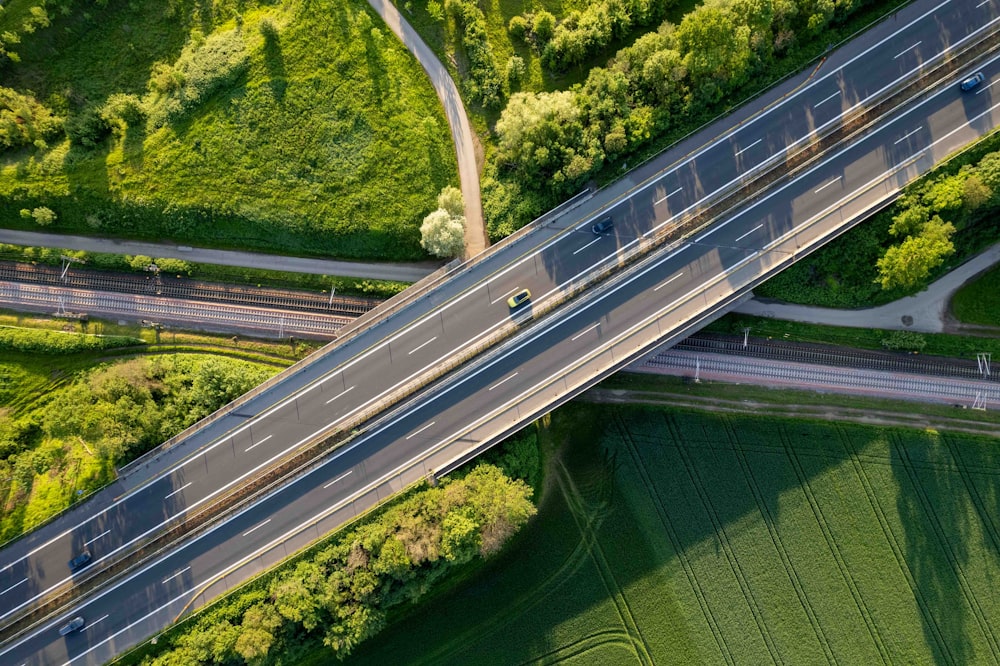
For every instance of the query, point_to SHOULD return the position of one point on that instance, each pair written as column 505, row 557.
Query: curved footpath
column 926, row 312
column 458, row 121
column 356, row 269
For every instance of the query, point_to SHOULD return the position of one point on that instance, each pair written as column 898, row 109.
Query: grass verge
column 978, row 301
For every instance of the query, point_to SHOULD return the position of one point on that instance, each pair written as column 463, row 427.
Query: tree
column 975, row 192
column 715, row 45
column 543, row 26
column 443, row 234
column 43, row 216
column 257, row 631
column 908, row 264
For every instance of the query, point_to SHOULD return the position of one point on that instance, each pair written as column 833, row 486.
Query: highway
column 670, row 287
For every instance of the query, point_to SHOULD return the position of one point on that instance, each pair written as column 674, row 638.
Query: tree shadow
column 274, row 60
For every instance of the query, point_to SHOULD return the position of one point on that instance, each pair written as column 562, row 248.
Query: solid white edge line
column 170, row 578
column 339, row 395
column 87, row 543
column 256, row 444
column 421, row 346
column 339, row 478
column 652, row 181
column 256, row 527
column 169, row 495
column 584, row 332
column 417, row 432
column 759, row 226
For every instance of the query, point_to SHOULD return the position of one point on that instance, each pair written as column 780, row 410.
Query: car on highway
column 603, row 226
column 518, row 299
column 80, row 561
column 972, row 82
column 76, row 624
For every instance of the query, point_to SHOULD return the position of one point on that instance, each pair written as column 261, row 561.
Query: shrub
column 518, row 27
column 88, row 128
column 56, row 342
column 904, row 341
column 23, row 120
column 443, row 234
column 43, row 216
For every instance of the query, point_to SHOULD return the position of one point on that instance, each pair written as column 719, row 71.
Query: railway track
column 828, row 356
column 171, row 287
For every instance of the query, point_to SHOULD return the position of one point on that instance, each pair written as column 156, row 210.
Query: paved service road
column 472, row 305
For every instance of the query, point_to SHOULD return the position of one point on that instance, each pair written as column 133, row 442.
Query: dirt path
column 825, row 412
column 461, row 132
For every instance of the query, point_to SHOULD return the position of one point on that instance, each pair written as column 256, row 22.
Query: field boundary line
column 769, row 522
column 838, row 557
column 930, row 619
column 599, row 558
column 734, row 564
column 583, row 645
column 934, row 521
column 663, row 515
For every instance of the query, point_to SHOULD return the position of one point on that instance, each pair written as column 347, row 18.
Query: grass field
column 330, row 142
column 683, row 538
column 978, row 302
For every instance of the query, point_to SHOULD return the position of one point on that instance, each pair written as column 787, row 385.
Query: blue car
column 973, row 81
column 80, row 561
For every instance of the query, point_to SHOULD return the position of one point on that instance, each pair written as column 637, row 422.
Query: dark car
column 603, row 226
column 80, row 561
column 973, row 81
column 519, row 298
column 76, row 624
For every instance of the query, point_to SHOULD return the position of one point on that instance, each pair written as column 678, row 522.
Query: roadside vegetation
column 126, row 263
column 939, row 221
column 326, row 601
column 936, row 344
column 74, row 406
column 571, row 93
column 301, row 127
column 690, row 537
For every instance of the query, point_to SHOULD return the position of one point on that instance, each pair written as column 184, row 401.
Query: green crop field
column 301, row 126
column 689, row 538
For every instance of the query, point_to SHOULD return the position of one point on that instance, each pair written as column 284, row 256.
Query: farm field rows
column 683, row 537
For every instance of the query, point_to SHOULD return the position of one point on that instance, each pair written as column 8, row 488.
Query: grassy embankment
column 978, row 302
column 682, row 537
column 74, row 405
column 300, row 127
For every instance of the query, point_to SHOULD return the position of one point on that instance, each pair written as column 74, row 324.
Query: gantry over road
column 541, row 362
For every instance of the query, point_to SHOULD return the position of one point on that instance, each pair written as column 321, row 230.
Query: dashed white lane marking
column 664, row 284
column 905, row 51
column 104, row 533
column 170, row 578
column 503, row 381
column 823, row 187
column 421, row 346
column 588, row 245
column 261, row 441
column 906, row 136
column 667, row 196
column 256, row 527
column 20, row 582
column 584, row 332
column 826, row 99
column 743, row 150
column 340, row 395
column 178, row 490
column 339, row 478
column 414, row 434
column 759, row 226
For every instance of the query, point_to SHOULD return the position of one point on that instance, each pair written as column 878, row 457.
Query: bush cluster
column 550, row 143
column 24, row 121
column 340, row 593
column 483, row 85
column 35, row 341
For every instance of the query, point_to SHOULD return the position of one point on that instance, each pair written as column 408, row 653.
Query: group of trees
column 340, row 594
column 550, row 143
column 483, row 83
column 929, row 215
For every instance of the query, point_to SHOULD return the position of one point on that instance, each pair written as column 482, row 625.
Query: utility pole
column 746, row 336
column 66, row 261
column 983, row 360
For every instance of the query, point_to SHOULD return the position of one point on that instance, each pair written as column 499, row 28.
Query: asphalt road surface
column 472, row 306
